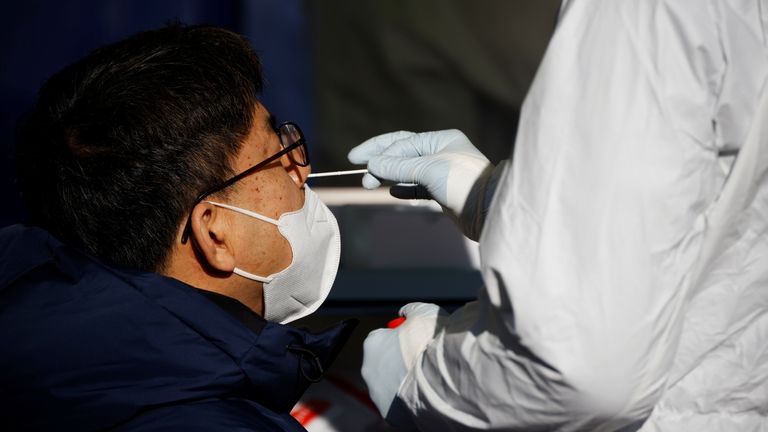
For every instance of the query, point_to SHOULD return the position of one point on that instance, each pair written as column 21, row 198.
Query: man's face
column 271, row 191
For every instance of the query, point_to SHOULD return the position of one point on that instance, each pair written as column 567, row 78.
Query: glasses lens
column 290, row 134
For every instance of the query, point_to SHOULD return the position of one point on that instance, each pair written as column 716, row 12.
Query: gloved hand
column 445, row 165
column 388, row 355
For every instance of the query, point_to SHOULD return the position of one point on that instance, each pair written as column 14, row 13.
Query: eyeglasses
column 293, row 144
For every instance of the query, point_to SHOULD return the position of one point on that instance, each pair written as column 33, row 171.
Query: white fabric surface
column 626, row 280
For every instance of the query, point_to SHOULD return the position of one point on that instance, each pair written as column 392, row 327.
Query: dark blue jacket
column 86, row 346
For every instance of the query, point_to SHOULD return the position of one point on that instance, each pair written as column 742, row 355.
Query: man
column 170, row 233
column 624, row 253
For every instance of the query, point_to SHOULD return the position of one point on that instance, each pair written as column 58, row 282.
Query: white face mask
column 299, row 289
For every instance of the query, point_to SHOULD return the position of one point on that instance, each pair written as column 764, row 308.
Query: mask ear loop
column 245, row 212
column 241, row 272
column 251, row 276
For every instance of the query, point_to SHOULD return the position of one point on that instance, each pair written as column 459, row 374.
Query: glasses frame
column 286, row 150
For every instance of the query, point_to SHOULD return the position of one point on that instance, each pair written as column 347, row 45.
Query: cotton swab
column 338, row 173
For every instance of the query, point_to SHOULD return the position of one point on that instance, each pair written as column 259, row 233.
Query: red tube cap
column 395, row 323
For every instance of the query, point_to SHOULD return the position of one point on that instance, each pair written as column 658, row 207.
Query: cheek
column 290, row 194
column 265, row 250
column 294, row 196
column 273, row 194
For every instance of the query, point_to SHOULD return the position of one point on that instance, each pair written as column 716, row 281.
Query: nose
column 298, row 173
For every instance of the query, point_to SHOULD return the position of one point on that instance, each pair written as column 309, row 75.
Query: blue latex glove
column 388, row 355
column 445, row 165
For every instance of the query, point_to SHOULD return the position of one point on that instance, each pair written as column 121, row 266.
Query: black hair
column 120, row 143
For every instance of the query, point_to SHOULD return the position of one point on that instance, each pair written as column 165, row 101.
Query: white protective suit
column 626, row 272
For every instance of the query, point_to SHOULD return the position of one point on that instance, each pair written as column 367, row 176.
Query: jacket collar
column 279, row 361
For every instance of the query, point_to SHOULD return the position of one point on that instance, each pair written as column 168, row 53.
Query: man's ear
column 211, row 238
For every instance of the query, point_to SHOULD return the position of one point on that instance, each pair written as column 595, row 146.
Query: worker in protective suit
column 624, row 248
